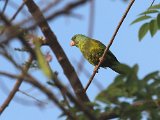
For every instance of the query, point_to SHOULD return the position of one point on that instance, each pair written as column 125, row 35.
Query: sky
column 126, row 48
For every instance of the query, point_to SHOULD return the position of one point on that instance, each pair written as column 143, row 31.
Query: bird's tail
column 120, row 68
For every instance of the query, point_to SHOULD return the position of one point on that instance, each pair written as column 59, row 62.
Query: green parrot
column 93, row 50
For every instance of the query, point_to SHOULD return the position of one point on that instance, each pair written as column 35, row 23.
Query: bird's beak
column 72, row 43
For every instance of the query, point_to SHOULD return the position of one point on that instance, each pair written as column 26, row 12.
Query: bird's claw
column 100, row 59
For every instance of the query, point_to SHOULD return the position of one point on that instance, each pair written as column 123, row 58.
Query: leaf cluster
column 128, row 97
column 131, row 97
column 152, row 21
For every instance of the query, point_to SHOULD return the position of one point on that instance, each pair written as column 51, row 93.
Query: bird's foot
column 100, row 59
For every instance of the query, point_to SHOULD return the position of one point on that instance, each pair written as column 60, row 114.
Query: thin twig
column 81, row 69
column 51, row 5
column 42, row 88
column 37, row 100
column 10, row 58
column 5, row 5
column 67, row 9
column 16, row 33
column 108, row 46
column 152, row 3
column 16, row 86
column 81, row 106
column 61, row 91
column 16, row 13
column 102, row 116
column 78, row 102
column 13, row 4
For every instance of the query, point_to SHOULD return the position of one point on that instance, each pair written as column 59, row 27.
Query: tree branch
column 108, row 46
column 16, row 13
column 43, row 89
column 58, row 50
column 16, row 86
column 5, row 6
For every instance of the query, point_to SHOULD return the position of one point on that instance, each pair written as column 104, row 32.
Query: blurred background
column 97, row 20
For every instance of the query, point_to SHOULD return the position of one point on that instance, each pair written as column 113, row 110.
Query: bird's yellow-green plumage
column 93, row 49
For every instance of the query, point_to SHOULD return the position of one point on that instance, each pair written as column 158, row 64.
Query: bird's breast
column 93, row 56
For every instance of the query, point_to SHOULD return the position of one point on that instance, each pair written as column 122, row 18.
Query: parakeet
column 92, row 50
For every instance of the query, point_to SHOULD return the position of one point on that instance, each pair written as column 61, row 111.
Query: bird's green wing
column 92, row 50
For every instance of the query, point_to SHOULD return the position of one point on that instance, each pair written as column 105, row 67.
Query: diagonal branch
column 16, row 86
column 78, row 103
column 67, row 9
column 110, row 43
column 138, row 105
column 5, row 6
column 13, row 32
column 42, row 88
column 58, row 50
column 16, row 13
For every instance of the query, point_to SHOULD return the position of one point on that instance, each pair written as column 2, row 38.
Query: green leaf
column 153, row 27
column 151, row 75
column 149, row 12
column 158, row 20
column 140, row 19
column 155, row 6
column 135, row 68
column 143, row 30
column 42, row 61
column 132, row 81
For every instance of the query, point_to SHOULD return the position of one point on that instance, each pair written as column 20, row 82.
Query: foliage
column 129, row 95
column 151, row 19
